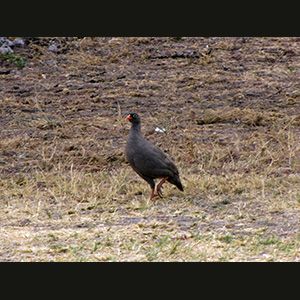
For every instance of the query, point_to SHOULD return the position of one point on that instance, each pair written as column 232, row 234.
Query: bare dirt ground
column 230, row 108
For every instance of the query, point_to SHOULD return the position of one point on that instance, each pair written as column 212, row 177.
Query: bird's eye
column 134, row 116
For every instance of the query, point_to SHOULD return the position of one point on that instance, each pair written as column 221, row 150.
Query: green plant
column 19, row 61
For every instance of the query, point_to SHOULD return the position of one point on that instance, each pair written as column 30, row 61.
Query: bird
column 149, row 161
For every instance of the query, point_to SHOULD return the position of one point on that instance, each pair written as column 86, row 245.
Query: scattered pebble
column 4, row 49
column 5, row 41
column 6, row 44
column 18, row 42
column 53, row 48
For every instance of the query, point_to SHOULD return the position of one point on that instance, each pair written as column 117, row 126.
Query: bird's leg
column 152, row 194
column 159, row 186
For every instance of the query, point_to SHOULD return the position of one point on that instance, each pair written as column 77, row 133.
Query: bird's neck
column 137, row 128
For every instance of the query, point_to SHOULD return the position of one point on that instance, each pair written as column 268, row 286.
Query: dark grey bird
column 149, row 161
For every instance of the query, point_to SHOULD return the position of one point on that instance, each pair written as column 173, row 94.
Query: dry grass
column 241, row 202
column 67, row 193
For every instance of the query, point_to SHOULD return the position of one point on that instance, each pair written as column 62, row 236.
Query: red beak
column 129, row 117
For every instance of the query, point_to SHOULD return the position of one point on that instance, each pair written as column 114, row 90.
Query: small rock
column 4, row 49
column 2, row 40
column 53, row 48
column 17, row 42
column 5, row 41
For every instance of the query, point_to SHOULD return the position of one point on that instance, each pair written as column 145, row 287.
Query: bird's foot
column 159, row 191
column 159, row 187
column 153, row 195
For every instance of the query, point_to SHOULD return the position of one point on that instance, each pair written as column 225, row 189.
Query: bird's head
column 133, row 118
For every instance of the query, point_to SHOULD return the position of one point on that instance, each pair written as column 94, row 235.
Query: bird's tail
column 176, row 181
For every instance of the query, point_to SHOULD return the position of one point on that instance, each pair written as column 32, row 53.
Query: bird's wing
column 152, row 161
